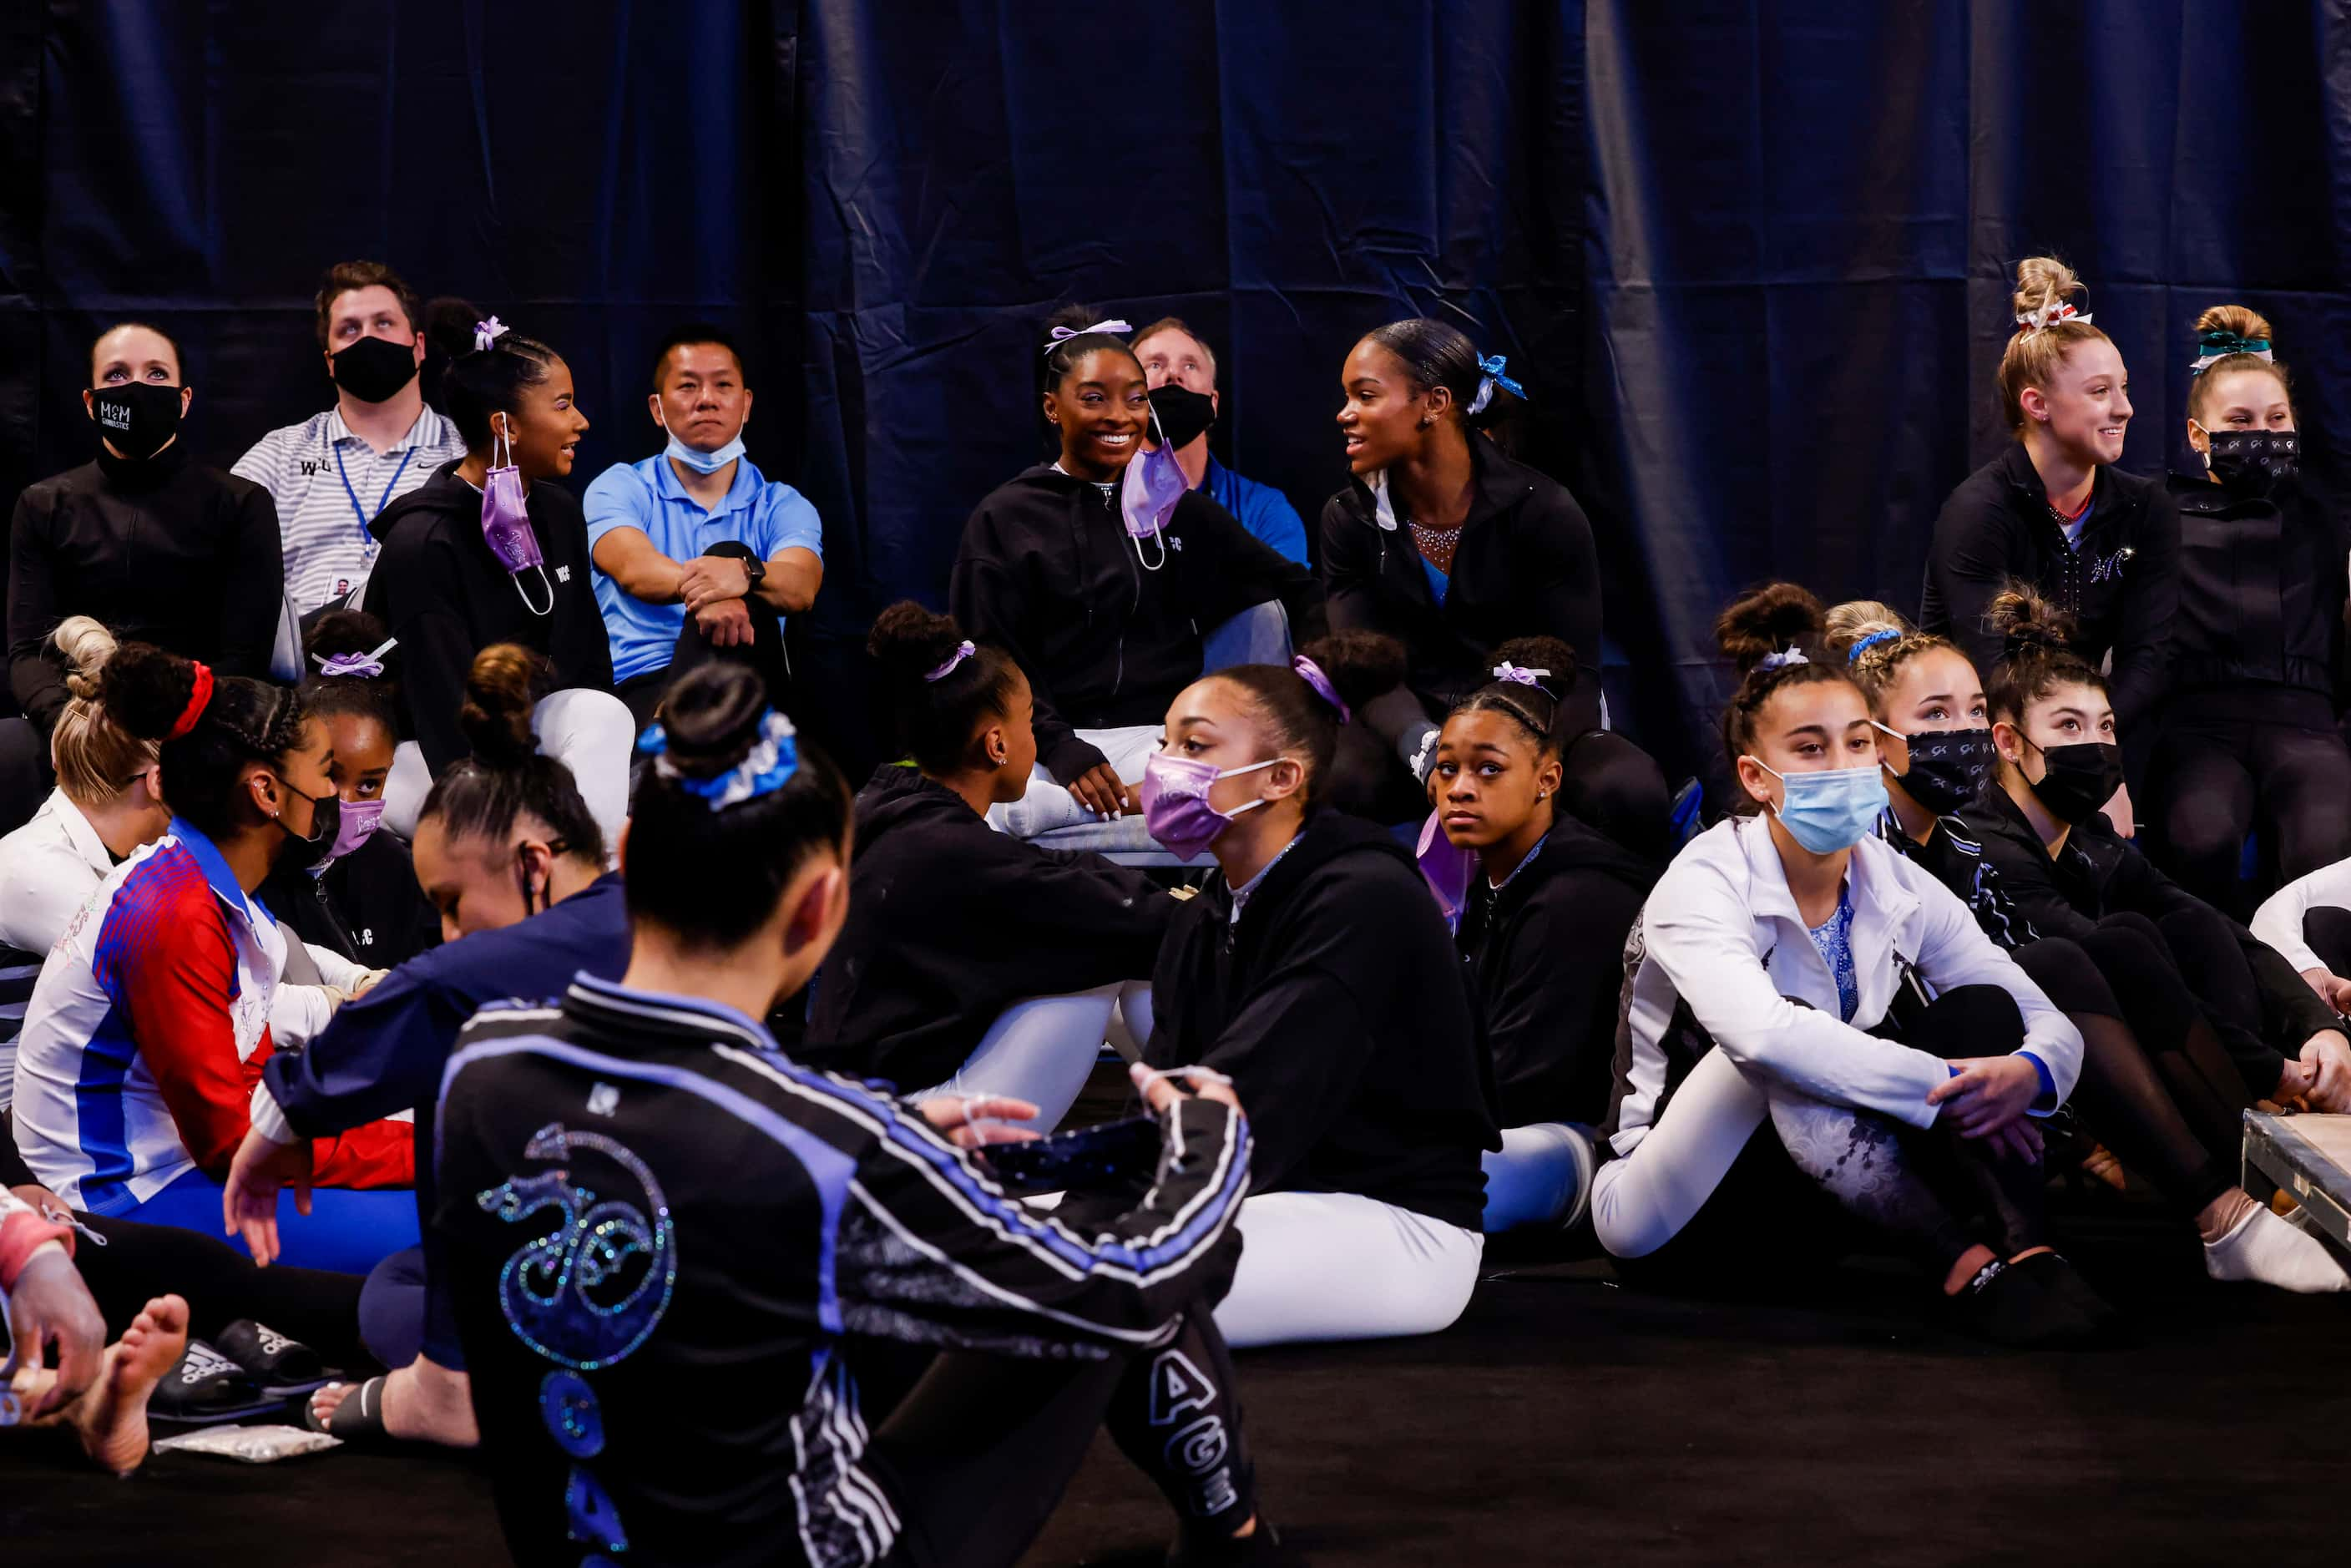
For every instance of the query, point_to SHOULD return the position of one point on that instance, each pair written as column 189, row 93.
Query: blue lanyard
column 366, row 517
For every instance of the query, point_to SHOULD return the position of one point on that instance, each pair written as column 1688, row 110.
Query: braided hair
column 1760, row 631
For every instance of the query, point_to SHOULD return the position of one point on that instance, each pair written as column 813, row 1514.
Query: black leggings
column 2217, row 773
column 2147, row 1061
column 1820, row 1180
column 2203, row 947
column 222, row 1283
column 977, row 1454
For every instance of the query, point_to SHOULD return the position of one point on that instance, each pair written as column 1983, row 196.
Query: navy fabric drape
column 1750, row 260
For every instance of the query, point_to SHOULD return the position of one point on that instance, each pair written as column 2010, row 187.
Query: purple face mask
column 354, row 825
column 1147, row 495
column 506, row 526
column 1445, row 868
column 1175, row 797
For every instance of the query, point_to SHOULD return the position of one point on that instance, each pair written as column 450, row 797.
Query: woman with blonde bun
column 2249, row 740
column 2053, row 512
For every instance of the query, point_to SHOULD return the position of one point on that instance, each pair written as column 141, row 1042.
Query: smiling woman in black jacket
column 1320, row 977
column 1444, row 544
column 1101, row 595
column 2053, row 512
column 2248, row 729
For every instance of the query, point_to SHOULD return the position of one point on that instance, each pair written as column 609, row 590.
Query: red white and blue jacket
column 148, row 1031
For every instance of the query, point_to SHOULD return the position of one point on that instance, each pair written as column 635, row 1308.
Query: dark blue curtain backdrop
column 1750, row 259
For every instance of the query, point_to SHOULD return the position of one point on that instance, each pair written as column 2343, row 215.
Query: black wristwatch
column 755, row 571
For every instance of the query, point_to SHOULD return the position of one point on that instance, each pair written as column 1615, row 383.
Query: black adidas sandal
column 205, row 1388
column 283, row 1367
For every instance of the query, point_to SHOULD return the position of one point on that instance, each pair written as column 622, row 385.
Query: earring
column 1542, row 794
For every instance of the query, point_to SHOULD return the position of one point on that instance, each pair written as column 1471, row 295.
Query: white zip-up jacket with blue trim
column 1720, row 942
column 643, row 1196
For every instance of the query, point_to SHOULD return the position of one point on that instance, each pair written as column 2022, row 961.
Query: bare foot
column 112, row 1417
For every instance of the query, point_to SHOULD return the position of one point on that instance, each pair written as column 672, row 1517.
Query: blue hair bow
column 1489, row 377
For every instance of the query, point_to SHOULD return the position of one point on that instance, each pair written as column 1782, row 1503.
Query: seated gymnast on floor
column 952, row 922
column 1820, row 1049
column 715, row 1205
column 2150, row 1054
column 1542, row 903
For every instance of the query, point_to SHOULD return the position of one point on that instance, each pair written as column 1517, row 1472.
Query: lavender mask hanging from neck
column 505, row 522
column 1147, row 495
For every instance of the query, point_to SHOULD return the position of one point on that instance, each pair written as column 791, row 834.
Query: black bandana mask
column 136, row 418
column 1947, row 767
column 2254, row 461
column 1183, row 414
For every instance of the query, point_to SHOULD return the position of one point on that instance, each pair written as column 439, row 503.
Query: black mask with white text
column 136, row 418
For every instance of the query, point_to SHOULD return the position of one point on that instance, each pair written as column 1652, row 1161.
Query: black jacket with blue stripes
column 660, row 1228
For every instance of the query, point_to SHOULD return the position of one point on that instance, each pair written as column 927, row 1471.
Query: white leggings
column 1047, row 806
column 590, row 732
column 1642, row 1201
column 1336, row 1265
column 1040, row 1050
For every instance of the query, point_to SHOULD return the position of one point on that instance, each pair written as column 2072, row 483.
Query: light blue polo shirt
column 646, row 496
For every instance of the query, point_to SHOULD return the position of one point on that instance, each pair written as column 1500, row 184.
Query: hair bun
column 2237, row 320
column 1775, row 616
column 87, row 646
column 1361, row 665
column 909, row 640
column 711, row 718
column 2042, row 281
column 502, row 689
column 1552, row 653
column 2025, row 620
column 145, row 690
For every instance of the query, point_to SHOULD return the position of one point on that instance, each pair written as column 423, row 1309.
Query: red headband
column 197, row 699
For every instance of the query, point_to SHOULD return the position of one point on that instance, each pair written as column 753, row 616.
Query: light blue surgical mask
column 1830, row 811
column 705, row 462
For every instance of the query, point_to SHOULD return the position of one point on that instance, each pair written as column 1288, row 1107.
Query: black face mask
column 373, row 368
column 2254, row 461
column 1948, row 767
column 326, row 822
column 2079, row 779
column 136, row 417
column 1183, row 414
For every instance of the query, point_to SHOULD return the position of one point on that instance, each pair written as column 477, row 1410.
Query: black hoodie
column 365, row 906
column 1525, row 567
column 2121, row 586
column 951, row 922
column 1047, row 572
column 440, row 590
column 1546, row 956
column 1338, row 1007
column 2261, row 590
column 2098, row 874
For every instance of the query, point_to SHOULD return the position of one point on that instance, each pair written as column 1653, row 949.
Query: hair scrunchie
column 1312, row 674
column 199, row 698
column 963, row 650
column 1884, row 634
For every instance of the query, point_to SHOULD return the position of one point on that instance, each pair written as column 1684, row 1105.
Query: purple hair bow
column 1507, row 671
column 1063, row 334
column 356, row 666
column 963, row 651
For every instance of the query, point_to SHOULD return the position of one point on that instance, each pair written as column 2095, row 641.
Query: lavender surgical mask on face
column 1175, row 797
column 353, row 827
column 506, row 524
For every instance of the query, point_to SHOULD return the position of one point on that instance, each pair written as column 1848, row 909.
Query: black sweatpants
column 2147, row 1060
column 977, row 1455
column 2227, row 762
column 765, row 652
